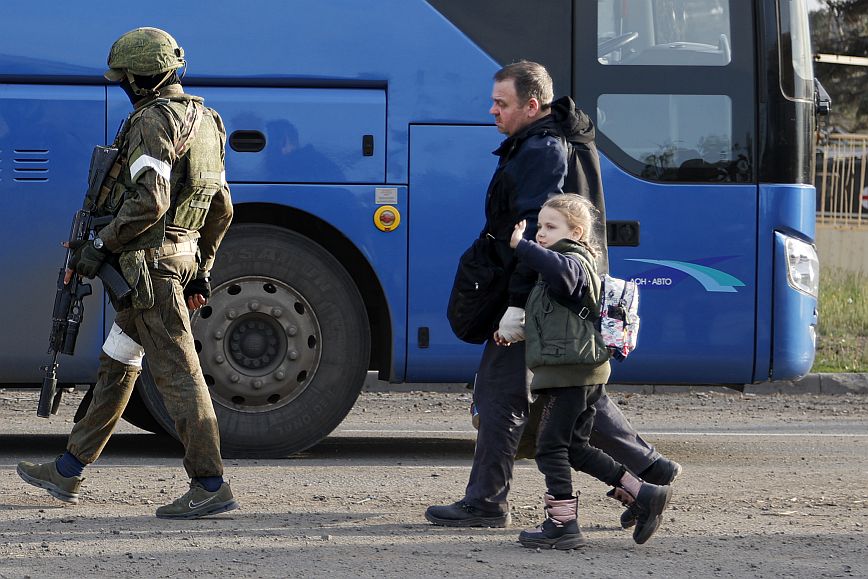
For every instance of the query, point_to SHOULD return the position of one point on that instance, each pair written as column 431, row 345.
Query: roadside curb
column 827, row 384
column 817, row 384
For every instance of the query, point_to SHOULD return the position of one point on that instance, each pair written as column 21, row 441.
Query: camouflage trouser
column 164, row 332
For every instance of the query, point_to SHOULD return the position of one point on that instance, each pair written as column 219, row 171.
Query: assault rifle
column 69, row 299
column 69, row 307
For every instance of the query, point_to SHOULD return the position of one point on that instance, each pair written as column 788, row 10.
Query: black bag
column 479, row 292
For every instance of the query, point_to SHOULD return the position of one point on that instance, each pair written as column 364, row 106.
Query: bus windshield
column 667, row 122
column 664, row 32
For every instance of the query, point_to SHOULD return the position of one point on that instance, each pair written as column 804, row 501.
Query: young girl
column 571, row 365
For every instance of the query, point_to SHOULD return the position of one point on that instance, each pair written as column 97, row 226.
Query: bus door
column 47, row 134
column 450, row 167
column 671, row 85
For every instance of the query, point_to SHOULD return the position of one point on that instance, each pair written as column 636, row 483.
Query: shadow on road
column 141, row 445
column 390, row 448
column 138, row 445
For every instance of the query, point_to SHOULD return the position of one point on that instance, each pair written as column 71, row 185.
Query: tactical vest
column 199, row 173
column 558, row 336
column 196, row 175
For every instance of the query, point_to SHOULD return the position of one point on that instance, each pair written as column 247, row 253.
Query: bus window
column 675, row 137
column 664, row 32
column 797, row 66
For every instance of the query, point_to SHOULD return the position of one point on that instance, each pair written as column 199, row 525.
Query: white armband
column 123, row 348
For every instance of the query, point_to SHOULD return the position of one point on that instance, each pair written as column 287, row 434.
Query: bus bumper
column 787, row 279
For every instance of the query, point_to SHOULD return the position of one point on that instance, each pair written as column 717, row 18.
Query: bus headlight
column 803, row 266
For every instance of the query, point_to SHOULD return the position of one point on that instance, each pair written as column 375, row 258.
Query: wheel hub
column 254, row 342
column 259, row 344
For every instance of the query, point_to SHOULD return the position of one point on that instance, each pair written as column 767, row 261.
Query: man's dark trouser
column 502, row 397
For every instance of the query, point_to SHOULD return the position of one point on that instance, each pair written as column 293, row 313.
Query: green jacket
column 564, row 349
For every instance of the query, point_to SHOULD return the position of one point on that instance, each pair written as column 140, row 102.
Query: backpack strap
column 588, row 308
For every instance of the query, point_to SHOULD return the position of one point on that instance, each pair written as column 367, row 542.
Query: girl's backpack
column 617, row 319
column 619, row 316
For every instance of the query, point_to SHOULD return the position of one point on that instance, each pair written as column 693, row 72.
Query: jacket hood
column 573, row 123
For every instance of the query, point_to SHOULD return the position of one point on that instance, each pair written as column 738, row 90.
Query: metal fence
column 842, row 191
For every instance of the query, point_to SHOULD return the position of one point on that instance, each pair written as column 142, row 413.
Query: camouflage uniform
column 172, row 208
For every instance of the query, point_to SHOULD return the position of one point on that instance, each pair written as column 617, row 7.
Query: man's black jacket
column 555, row 154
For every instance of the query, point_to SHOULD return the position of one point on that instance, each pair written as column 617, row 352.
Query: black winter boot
column 661, row 472
column 649, row 505
column 560, row 530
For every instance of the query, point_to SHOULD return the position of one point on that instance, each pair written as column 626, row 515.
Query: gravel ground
column 774, row 486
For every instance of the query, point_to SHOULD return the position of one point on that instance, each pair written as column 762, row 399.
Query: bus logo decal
column 713, row 280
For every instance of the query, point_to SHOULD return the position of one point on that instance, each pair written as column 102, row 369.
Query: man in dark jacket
column 549, row 149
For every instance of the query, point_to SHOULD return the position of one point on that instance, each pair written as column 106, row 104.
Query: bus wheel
column 136, row 411
column 284, row 343
column 138, row 414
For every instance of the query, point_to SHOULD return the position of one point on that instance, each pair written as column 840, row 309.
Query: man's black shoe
column 461, row 514
column 661, row 472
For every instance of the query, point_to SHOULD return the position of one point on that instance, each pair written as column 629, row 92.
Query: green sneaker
column 198, row 502
column 45, row 476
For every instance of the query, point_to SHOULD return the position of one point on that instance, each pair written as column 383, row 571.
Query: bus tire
column 139, row 415
column 136, row 411
column 284, row 343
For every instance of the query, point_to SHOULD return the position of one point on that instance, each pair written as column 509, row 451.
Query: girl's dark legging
column 562, row 441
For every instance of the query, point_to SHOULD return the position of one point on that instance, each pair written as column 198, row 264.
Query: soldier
column 171, row 208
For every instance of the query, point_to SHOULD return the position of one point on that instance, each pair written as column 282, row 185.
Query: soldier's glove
column 511, row 326
column 199, row 285
column 86, row 259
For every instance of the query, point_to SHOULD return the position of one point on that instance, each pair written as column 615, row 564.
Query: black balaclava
column 145, row 84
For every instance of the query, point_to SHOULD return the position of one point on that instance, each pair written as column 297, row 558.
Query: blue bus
column 358, row 155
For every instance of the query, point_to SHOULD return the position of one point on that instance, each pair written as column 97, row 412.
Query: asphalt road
column 773, row 486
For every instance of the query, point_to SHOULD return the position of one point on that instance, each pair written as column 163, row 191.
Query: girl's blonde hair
column 579, row 213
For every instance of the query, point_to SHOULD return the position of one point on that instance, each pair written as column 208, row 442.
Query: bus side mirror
column 822, row 99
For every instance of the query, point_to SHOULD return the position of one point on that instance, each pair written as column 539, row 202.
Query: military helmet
column 144, row 52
